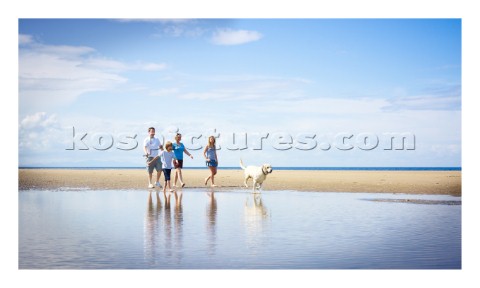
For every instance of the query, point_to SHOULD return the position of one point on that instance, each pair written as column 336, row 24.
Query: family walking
column 165, row 159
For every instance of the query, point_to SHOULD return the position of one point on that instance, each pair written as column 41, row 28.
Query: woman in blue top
column 210, row 154
column 179, row 149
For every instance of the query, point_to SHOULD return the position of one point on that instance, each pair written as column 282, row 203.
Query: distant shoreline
column 408, row 182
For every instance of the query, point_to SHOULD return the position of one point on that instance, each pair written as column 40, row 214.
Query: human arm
column 205, row 153
column 146, row 148
column 174, row 160
column 188, row 153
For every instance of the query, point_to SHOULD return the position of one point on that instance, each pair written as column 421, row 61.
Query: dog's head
column 267, row 169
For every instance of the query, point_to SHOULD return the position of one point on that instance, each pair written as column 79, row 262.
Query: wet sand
column 409, row 182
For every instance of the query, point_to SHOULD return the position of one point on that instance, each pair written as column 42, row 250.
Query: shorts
column 166, row 174
column 179, row 164
column 157, row 165
column 211, row 163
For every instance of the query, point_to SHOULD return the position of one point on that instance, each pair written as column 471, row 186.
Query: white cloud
column 56, row 75
column 441, row 96
column 114, row 66
column 51, row 75
column 180, row 30
column 149, row 66
column 24, row 39
column 325, row 106
column 425, row 102
column 234, row 37
column 235, row 88
column 38, row 131
column 39, row 119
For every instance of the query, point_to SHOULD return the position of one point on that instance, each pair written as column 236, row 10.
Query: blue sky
column 288, row 77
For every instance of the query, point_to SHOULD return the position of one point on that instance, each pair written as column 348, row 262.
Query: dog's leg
column 254, row 186
column 246, row 179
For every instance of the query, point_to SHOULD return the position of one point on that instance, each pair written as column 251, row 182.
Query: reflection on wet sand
column 256, row 216
column 151, row 225
column 172, row 234
column 211, row 213
column 167, row 225
column 234, row 229
column 178, row 229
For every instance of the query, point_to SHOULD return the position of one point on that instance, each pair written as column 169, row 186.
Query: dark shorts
column 157, row 166
column 211, row 163
column 179, row 164
column 166, row 174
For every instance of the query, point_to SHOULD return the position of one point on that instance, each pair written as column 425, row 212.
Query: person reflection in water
column 178, row 221
column 211, row 212
column 167, row 224
column 151, row 225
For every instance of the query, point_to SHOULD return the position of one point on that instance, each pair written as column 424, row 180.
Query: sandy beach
column 409, row 182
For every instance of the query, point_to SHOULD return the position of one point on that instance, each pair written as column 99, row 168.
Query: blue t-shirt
column 178, row 150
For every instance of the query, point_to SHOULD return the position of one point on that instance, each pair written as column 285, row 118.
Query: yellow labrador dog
column 257, row 173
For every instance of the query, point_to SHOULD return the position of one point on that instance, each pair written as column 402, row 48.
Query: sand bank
column 411, row 182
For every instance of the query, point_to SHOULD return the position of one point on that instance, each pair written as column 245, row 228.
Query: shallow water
column 234, row 229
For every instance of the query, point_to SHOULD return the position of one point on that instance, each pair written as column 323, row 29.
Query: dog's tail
column 241, row 164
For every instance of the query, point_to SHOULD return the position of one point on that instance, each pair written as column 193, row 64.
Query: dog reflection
column 256, row 219
column 254, row 207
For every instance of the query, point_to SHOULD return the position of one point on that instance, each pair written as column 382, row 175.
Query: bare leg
column 179, row 172
column 206, row 180
column 150, row 178
column 213, row 172
column 159, row 173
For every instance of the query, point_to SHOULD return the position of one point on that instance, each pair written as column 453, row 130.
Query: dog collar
column 263, row 171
